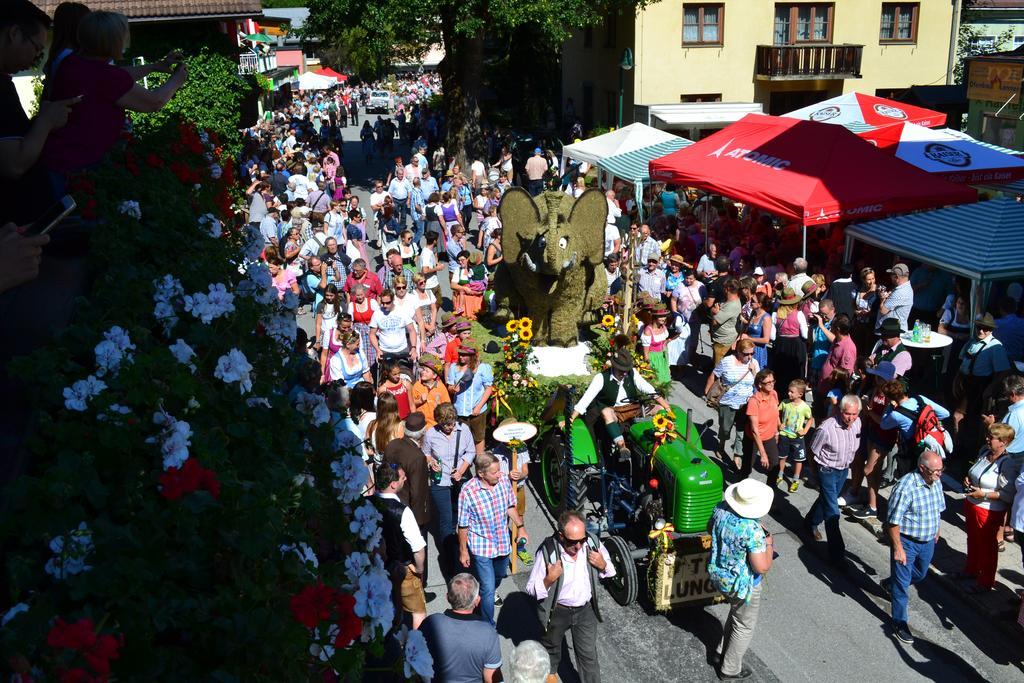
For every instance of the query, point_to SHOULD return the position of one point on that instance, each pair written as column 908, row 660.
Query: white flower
column 234, row 367
column 366, row 524
column 282, row 328
column 165, row 315
column 13, row 612
column 259, row 283
column 373, row 601
column 304, row 552
column 356, row 564
column 313, row 406
column 167, row 288
column 350, row 477
column 70, row 553
column 120, row 338
column 183, row 353
column 254, row 401
column 206, row 307
column 304, row 480
column 114, row 411
column 210, row 223
column 253, row 243
column 115, row 349
column 76, row 397
column 216, row 171
column 417, row 657
column 175, row 438
column 130, row 208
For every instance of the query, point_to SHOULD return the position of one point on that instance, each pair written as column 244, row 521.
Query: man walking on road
column 485, row 503
column 565, row 584
column 403, row 541
column 536, row 167
column 915, row 515
column 833, row 447
column 463, row 647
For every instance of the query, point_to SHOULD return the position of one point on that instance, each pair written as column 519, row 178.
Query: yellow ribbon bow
column 661, row 536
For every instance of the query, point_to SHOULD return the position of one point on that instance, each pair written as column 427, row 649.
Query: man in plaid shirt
column 485, row 503
column 915, row 513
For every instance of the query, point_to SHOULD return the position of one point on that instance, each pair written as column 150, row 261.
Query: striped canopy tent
column 634, row 165
column 983, row 242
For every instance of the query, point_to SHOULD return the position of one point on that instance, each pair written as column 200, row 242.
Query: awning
column 331, row 73
column 859, row 112
column 634, row 166
column 982, row 241
column 313, row 81
column 807, row 172
column 626, row 139
column 964, row 136
column 952, row 157
column 702, row 114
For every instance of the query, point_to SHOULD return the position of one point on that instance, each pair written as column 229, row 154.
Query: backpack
column 929, row 434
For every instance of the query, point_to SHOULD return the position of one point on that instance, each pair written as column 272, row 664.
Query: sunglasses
column 401, row 287
column 573, row 542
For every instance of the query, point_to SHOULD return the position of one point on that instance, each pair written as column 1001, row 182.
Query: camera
column 967, row 489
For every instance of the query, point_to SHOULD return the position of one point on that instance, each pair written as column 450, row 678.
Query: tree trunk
column 461, row 79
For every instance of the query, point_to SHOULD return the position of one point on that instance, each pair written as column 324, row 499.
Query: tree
column 404, row 30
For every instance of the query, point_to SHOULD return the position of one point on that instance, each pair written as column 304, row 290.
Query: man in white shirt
column 612, row 238
column 377, row 198
column 570, row 563
column 392, row 332
column 800, row 276
column 402, row 539
column 412, row 169
column 479, row 173
column 615, row 387
column 269, row 226
column 400, row 190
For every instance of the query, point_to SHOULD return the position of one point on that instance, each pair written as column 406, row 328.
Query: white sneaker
column 848, row 500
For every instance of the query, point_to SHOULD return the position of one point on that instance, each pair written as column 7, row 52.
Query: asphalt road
column 815, row 625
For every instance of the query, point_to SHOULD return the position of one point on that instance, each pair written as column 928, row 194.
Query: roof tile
column 137, row 9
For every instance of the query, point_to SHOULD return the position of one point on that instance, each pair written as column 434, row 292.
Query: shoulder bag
column 719, row 388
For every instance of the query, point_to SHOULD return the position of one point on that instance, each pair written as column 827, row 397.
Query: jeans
column 738, row 631
column 443, row 527
column 727, row 417
column 402, row 212
column 583, row 623
column 417, row 229
column 826, row 508
column 536, row 187
column 489, row 571
column 919, row 557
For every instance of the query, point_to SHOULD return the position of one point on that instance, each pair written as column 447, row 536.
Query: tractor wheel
column 624, row 585
column 564, row 487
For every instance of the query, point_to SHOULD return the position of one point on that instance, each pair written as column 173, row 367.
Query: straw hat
column 789, row 297
column 749, row 498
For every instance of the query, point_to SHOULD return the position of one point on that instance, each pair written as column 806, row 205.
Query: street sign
column 511, row 430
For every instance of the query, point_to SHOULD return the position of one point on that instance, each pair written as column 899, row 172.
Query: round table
column 937, row 341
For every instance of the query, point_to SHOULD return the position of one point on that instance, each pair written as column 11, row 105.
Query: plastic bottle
column 916, row 336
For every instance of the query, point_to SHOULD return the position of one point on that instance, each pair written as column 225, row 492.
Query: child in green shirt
column 794, row 422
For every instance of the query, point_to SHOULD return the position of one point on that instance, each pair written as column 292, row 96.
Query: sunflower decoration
column 525, row 324
column 664, row 430
column 608, row 321
column 661, row 421
column 525, row 334
column 512, row 326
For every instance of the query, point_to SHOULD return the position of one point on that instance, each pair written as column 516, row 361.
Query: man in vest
column 890, row 348
column 565, row 584
column 615, row 387
column 403, row 542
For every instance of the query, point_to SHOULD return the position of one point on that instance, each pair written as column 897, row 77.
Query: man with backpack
column 565, row 584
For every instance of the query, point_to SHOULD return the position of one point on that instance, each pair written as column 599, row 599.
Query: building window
column 1018, row 41
column 703, row 97
column 703, row 24
column 899, row 22
column 803, row 23
column 611, row 25
column 982, row 44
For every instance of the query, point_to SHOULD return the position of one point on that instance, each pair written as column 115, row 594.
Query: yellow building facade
column 780, row 55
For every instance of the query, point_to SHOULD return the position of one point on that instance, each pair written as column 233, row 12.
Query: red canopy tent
column 328, row 71
column 808, row 172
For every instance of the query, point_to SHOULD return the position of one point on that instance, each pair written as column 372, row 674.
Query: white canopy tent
column 626, row 139
column 312, row 81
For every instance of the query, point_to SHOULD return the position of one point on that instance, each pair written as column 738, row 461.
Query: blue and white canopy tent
column 983, row 242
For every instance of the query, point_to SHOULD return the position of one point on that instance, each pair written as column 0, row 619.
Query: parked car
column 381, row 102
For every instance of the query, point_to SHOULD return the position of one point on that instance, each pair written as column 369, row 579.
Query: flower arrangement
column 182, row 516
column 514, row 385
column 609, row 337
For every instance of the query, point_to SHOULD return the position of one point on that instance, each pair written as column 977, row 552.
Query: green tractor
column 624, row 502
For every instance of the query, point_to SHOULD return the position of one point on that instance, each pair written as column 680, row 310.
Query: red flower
column 313, row 604
column 76, row 636
column 350, row 626
column 106, row 648
column 191, row 476
column 154, row 160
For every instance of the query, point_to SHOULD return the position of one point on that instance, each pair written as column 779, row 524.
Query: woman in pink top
column 107, row 91
column 284, row 279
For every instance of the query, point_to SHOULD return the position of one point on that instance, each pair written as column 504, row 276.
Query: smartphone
column 51, row 217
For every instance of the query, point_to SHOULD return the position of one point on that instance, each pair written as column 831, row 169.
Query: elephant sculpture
column 552, row 270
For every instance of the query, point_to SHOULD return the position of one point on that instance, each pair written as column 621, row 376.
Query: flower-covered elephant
column 553, row 247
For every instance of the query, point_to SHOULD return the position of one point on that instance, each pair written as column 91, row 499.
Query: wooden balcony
column 807, row 62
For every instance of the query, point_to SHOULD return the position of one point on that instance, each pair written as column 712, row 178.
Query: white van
column 381, row 102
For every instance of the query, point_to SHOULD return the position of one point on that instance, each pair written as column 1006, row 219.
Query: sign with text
column 684, row 576
column 994, row 81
